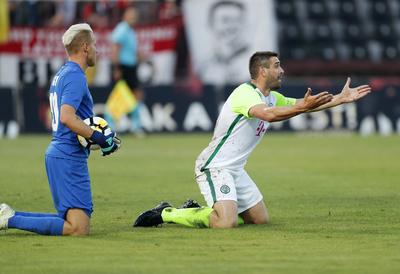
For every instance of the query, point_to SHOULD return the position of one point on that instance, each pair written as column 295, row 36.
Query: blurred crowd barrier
column 173, row 109
column 195, row 52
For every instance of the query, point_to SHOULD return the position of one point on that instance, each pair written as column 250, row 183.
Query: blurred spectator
column 168, row 10
column 99, row 14
column 65, row 14
column 147, row 11
column 31, row 13
column 124, row 58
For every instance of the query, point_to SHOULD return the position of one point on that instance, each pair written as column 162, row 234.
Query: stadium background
column 333, row 198
column 320, row 44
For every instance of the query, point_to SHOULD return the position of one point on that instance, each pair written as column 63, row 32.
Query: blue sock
column 35, row 214
column 41, row 225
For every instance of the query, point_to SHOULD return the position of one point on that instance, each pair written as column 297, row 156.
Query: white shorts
column 219, row 184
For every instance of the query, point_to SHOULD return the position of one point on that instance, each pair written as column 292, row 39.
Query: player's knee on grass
column 224, row 224
column 80, row 230
column 76, row 229
column 224, row 215
column 261, row 220
column 258, row 214
column 77, row 223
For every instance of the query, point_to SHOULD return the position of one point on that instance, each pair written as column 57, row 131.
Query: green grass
column 334, row 202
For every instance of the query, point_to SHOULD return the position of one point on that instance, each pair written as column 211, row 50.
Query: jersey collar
column 72, row 63
column 256, row 89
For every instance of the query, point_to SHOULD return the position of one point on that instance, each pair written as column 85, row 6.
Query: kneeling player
column 231, row 195
column 66, row 160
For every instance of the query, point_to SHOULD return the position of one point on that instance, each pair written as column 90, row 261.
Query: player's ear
column 262, row 71
column 85, row 47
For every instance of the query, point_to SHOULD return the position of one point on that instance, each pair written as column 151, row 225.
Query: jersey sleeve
column 243, row 98
column 282, row 101
column 73, row 89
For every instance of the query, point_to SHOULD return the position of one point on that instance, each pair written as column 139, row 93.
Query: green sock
column 191, row 217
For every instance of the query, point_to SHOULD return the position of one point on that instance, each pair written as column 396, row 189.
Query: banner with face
column 224, row 34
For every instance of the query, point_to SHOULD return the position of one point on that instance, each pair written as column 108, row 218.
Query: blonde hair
column 75, row 36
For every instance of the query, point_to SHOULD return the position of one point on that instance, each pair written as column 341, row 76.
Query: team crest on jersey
column 225, row 189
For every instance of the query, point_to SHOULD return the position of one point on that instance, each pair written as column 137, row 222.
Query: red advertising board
column 46, row 42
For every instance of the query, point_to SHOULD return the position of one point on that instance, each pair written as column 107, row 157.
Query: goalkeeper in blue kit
column 66, row 160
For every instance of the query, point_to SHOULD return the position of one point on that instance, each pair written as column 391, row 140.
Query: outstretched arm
column 347, row 95
column 280, row 113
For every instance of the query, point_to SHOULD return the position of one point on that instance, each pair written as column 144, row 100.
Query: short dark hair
column 219, row 4
column 258, row 59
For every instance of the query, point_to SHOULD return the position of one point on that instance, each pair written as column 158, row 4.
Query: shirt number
column 54, row 110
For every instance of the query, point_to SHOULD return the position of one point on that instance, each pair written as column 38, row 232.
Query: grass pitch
column 334, row 202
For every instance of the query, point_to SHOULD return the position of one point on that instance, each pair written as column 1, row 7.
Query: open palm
column 349, row 94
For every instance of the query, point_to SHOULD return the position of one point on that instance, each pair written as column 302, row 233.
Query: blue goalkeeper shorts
column 69, row 185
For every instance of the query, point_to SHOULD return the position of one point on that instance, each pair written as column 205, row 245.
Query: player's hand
column 349, row 94
column 108, row 144
column 113, row 144
column 310, row 102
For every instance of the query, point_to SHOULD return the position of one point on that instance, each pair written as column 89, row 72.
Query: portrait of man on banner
column 223, row 38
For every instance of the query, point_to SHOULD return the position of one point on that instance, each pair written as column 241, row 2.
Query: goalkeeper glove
column 108, row 144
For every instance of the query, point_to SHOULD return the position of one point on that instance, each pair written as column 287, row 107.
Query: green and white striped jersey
column 236, row 134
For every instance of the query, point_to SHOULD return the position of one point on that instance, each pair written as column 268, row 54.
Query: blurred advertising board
column 43, row 47
column 170, row 109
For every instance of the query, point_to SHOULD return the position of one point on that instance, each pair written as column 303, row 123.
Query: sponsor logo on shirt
column 260, row 129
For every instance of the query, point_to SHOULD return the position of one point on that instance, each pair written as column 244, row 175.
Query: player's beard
column 91, row 58
column 276, row 85
column 91, row 61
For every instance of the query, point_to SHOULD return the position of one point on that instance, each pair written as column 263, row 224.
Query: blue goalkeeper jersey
column 69, row 86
